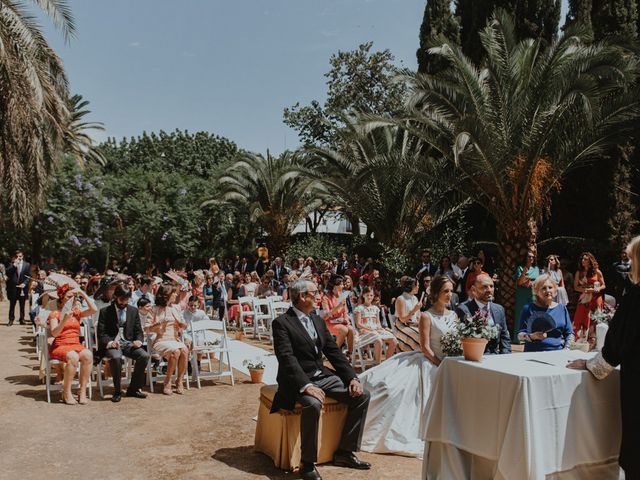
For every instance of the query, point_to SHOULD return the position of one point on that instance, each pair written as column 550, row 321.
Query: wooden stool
column 278, row 434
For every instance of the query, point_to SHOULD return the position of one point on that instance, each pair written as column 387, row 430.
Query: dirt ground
column 205, row 434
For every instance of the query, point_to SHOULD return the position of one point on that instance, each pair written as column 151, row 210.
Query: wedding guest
column 622, row 269
column 17, row 285
column 487, row 261
column 233, row 295
column 251, row 283
column 342, row 267
column 209, row 292
column 265, row 288
column 145, row 308
column 3, row 282
column 367, row 317
column 352, row 300
column 461, row 270
column 310, row 264
column 143, row 291
column 64, row 327
column 198, row 286
column 279, row 269
column 589, row 283
column 555, row 271
column 482, row 301
column 545, row 324
column 167, row 324
column 445, row 267
column 426, row 266
column 621, row 348
column 119, row 333
column 526, row 274
column 475, row 270
column 334, row 307
column 408, row 315
column 302, row 376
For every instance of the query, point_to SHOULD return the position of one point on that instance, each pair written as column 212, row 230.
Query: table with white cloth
column 522, row 416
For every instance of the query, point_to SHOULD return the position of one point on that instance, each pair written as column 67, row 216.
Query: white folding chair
column 99, row 372
column 262, row 317
column 151, row 378
column 48, row 363
column 206, row 341
column 244, row 314
column 362, row 351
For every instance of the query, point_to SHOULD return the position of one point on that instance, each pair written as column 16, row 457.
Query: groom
column 300, row 338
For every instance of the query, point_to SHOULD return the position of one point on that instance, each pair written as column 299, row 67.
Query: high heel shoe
column 73, row 401
column 167, row 389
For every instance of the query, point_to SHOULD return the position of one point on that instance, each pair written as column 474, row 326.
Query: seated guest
column 119, row 333
column 197, row 288
column 145, row 308
column 407, row 307
column 251, row 282
column 621, row 348
column 265, row 289
column 545, row 324
column 334, row 307
column 166, row 322
column 64, row 326
column 300, row 339
column 483, row 301
column 370, row 330
column 208, row 292
column 143, row 291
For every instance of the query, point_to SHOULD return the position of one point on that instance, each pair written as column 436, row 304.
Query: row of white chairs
column 262, row 311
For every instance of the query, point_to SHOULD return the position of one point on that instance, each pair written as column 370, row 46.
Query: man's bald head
column 483, row 287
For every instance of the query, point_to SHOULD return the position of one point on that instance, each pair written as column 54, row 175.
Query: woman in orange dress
column 334, row 308
column 64, row 327
column 589, row 282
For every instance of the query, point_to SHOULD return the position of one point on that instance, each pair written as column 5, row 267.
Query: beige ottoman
column 278, row 434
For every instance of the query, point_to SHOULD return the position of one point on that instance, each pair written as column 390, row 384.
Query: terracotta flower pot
column 239, row 335
column 256, row 374
column 473, row 348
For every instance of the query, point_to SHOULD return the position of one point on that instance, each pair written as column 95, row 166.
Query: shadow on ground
column 246, row 459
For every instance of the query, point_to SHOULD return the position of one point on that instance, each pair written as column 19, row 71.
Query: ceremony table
column 522, row 416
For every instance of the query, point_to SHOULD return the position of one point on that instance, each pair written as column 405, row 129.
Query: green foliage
column 320, row 247
column 394, row 263
column 451, row 236
column 358, row 81
column 614, row 18
column 438, row 22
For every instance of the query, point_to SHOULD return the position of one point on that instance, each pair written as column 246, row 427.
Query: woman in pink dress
column 64, row 327
column 336, row 317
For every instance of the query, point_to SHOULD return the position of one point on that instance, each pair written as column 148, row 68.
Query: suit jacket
column 501, row 344
column 422, row 270
column 299, row 357
column 108, row 326
column 15, row 277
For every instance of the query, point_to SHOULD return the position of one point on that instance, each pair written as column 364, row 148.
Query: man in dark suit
column 483, row 293
column 120, row 333
column 300, row 338
column 426, row 266
column 17, row 285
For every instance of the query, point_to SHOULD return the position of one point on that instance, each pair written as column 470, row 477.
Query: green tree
column 358, row 81
column 273, row 190
column 579, row 16
column 438, row 21
column 373, row 177
column 614, row 18
column 512, row 129
column 33, row 108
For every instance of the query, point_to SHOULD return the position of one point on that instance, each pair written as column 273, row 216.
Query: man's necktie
column 310, row 329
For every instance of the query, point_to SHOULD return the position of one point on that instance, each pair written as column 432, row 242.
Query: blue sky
column 224, row 66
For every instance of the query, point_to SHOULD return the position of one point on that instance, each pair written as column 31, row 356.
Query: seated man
column 483, row 296
column 300, row 338
column 120, row 333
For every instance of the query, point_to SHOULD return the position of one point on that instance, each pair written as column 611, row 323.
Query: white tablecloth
column 512, row 417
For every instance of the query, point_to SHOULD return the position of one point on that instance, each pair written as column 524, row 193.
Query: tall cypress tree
column 438, row 21
column 580, row 14
column 614, row 18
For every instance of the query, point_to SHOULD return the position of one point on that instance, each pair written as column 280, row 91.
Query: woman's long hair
column 593, row 264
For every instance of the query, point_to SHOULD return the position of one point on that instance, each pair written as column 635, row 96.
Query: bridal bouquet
column 477, row 326
column 602, row 315
column 451, row 343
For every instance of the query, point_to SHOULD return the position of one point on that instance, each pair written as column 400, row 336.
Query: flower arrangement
column 253, row 364
column 603, row 315
column 212, row 343
column 477, row 326
column 451, row 343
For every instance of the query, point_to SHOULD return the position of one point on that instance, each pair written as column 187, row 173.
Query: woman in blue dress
column 544, row 324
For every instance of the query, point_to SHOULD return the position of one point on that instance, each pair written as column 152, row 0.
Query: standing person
column 17, row 285
column 300, row 339
column 622, row 269
column 426, row 266
column 477, row 268
column 461, row 270
column 621, row 348
column 120, row 333
column 144, row 291
column 555, row 272
column 525, row 276
column 3, row 282
column 589, row 283
column 445, row 267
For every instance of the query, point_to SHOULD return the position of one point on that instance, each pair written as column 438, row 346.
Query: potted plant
column 475, row 332
column 256, row 369
column 238, row 332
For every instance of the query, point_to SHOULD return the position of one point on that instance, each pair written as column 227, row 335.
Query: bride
column 400, row 386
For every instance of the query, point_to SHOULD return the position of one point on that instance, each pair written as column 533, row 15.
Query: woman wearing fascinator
column 545, row 324
column 64, row 326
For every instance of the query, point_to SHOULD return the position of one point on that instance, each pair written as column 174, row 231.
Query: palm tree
column 33, row 112
column 372, row 176
column 513, row 127
column 277, row 195
column 77, row 141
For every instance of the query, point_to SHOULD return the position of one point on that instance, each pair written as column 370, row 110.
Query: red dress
column 69, row 338
column 586, row 305
column 334, row 321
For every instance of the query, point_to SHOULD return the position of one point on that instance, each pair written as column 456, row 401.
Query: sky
column 228, row 67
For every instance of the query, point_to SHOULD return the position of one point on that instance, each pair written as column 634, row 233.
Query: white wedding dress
column 400, row 389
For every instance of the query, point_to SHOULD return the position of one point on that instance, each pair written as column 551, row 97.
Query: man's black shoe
column 10, row 323
column 21, row 322
column 137, row 394
column 349, row 460
column 116, row 397
column 308, row 472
